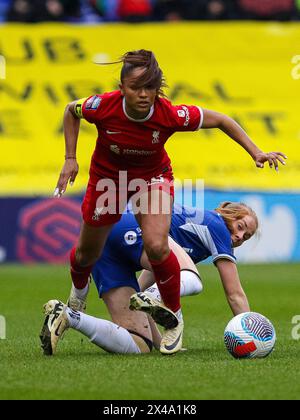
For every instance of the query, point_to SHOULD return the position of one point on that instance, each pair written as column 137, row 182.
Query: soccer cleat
column 75, row 302
column 56, row 322
column 160, row 313
column 171, row 341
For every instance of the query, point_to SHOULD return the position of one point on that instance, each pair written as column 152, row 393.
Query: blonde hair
column 231, row 211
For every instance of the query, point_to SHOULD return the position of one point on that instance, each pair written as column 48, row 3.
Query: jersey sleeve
column 88, row 108
column 187, row 118
column 221, row 246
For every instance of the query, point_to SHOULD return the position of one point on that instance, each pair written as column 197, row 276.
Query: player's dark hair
column 231, row 211
column 152, row 76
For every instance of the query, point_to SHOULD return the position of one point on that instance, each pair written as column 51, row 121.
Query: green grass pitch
column 80, row 370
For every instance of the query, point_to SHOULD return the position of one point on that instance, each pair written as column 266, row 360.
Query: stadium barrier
column 44, row 230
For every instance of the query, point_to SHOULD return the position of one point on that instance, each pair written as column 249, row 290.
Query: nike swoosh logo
column 166, row 281
column 172, row 346
column 113, row 132
column 56, row 331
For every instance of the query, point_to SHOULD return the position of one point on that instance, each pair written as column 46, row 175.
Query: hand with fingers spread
column 213, row 119
column 272, row 158
column 68, row 174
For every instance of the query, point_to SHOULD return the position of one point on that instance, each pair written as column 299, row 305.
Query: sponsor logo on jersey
column 130, row 237
column 89, row 102
column 96, row 103
column 181, row 113
column 93, row 103
column 139, row 152
column 155, row 137
column 114, row 148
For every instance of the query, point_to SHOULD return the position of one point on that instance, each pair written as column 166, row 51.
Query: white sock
column 105, row 334
column 81, row 293
column 190, row 284
column 154, row 292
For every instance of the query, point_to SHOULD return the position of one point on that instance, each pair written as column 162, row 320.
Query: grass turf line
column 80, row 370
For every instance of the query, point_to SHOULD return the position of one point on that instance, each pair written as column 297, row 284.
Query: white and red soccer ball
column 249, row 335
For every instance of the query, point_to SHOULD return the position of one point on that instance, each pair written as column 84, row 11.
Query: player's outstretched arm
column 234, row 292
column 70, row 168
column 212, row 119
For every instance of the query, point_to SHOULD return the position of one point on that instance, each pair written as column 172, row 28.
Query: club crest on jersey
column 130, row 237
column 155, row 137
column 93, row 103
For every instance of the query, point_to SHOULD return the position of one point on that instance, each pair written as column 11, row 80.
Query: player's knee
column 157, row 250
column 86, row 258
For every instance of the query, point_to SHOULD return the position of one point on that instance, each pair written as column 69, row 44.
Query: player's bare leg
column 164, row 263
column 155, row 228
column 129, row 333
column 137, row 323
column 90, row 245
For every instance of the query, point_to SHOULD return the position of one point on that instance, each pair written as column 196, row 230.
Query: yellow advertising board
column 248, row 71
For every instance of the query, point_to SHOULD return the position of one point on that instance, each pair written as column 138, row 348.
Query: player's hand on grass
column 68, row 174
column 272, row 158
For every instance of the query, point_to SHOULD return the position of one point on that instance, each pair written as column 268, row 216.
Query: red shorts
column 104, row 203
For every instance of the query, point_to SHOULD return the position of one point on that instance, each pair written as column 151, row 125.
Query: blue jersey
column 200, row 233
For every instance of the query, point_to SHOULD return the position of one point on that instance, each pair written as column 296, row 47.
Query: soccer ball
column 249, row 335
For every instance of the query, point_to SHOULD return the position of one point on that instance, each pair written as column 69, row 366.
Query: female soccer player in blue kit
column 202, row 234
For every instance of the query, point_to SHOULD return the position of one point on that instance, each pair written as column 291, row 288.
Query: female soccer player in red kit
column 133, row 125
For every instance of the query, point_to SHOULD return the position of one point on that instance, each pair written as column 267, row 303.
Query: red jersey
column 135, row 146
